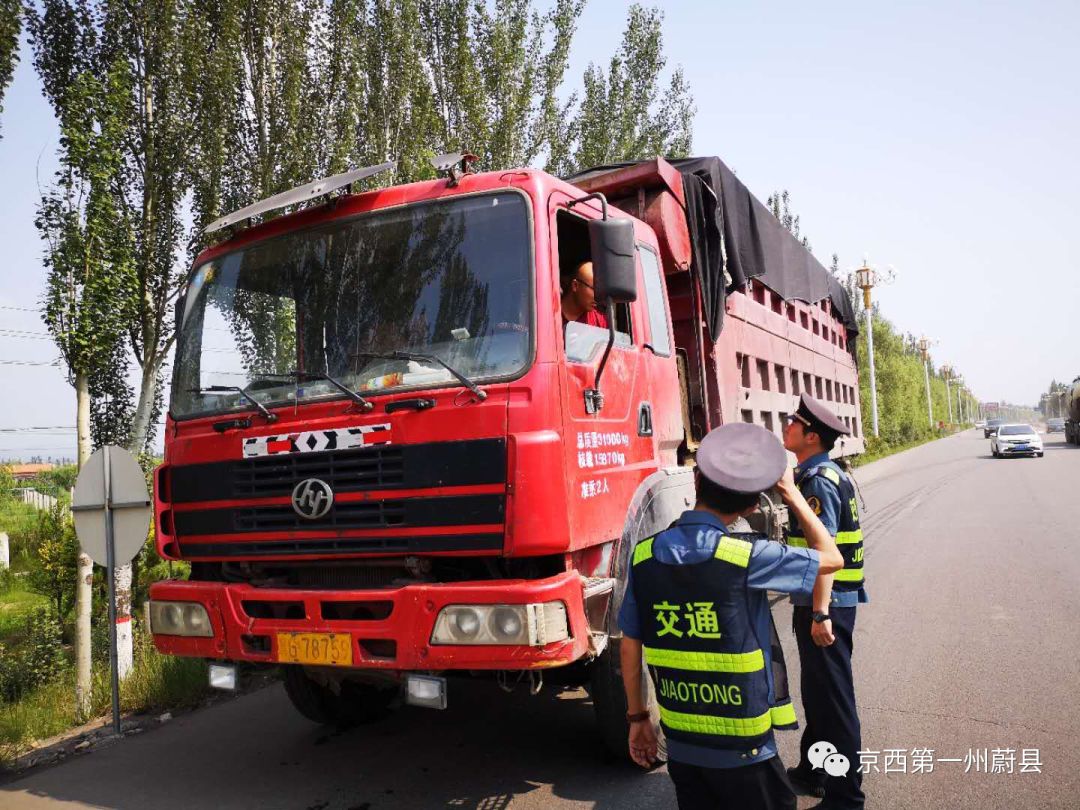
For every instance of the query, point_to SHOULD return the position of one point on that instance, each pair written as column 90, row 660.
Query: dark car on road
column 1055, row 425
column 991, row 428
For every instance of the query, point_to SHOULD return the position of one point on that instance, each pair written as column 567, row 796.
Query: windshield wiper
column 226, row 389
column 306, row 376
column 428, row 358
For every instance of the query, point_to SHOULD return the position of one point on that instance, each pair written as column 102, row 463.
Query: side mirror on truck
column 614, row 270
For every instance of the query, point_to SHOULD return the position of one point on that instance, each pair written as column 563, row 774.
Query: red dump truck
column 388, row 459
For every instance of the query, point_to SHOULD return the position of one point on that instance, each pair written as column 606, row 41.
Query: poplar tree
column 624, row 113
column 110, row 72
column 779, row 203
column 10, row 26
column 90, row 258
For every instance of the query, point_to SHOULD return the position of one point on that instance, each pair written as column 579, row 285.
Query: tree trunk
column 125, row 648
column 125, row 653
column 144, row 410
column 85, row 568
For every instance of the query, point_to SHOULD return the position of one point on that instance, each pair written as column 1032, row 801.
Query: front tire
column 355, row 704
column 609, row 702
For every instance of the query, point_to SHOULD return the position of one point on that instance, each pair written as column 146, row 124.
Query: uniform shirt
column 824, row 499
column 773, row 567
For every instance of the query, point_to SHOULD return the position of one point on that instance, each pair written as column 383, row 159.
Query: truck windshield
column 450, row 279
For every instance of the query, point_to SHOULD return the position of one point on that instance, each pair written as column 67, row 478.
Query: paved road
column 971, row 642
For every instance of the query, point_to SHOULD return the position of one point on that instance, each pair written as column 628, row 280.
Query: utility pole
column 946, row 372
column 866, row 278
column 924, row 348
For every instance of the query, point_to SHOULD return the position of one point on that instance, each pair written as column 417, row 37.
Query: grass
column 157, row 683
column 15, row 603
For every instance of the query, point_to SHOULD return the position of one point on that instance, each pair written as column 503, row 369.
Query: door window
column 654, row 299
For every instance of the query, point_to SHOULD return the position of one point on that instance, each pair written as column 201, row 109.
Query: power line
column 37, row 433
column 39, row 427
column 19, row 309
column 20, row 335
column 54, row 363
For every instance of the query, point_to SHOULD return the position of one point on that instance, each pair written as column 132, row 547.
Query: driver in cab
column 579, row 297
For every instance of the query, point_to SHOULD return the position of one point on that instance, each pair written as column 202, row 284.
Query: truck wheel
column 609, row 702
column 356, row 704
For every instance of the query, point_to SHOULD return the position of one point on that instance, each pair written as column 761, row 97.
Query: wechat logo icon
column 824, row 756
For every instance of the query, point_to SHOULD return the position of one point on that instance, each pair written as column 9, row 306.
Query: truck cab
column 385, row 456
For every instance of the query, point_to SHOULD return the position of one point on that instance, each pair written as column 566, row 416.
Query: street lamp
column 866, row 278
column 924, row 348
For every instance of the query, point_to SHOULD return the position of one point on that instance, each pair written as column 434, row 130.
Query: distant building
column 27, row 472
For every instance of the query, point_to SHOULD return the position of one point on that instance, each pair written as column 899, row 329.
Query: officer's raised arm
column 817, row 536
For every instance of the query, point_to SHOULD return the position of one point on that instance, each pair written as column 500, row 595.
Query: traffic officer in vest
column 825, row 622
column 696, row 606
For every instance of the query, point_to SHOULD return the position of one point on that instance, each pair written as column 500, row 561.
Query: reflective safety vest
column 702, row 650
column 849, row 539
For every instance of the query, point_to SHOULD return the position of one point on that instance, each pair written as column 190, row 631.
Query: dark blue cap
column 822, row 420
column 742, row 458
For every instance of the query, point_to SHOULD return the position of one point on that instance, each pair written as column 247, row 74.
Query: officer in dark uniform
column 696, row 605
column 824, row 623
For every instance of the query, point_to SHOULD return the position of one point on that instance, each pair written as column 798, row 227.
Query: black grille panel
column 342, row 546
column 362, row 515
column 462, row 510
column 343, row 470
column 409, row 466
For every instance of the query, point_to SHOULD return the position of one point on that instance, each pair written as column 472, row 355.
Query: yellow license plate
column 327, row 649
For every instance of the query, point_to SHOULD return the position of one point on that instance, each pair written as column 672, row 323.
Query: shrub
column 55, row 551
column 34, row 659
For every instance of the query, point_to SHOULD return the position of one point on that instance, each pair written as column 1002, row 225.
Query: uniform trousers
column 828, row 696
column 761, row 786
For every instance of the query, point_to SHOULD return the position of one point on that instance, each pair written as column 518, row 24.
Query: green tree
column 136, row 124
column 315, row 88
column 10, row 25
column 138, row 45
column 779, row 203
column 7, row 481
column 56, row 551
column 92, row 285
column 625, row 113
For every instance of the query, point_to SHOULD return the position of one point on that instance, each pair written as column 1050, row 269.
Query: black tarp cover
column 733, row 232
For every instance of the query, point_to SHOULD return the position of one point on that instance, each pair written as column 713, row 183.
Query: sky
column 936, row 138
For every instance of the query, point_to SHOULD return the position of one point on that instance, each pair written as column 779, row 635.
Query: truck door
column 606, row 454
column 663, row 408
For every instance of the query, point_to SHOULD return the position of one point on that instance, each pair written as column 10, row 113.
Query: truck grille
column 343, row 546
column 407, row 466
column 343, row 470
column 460, row 510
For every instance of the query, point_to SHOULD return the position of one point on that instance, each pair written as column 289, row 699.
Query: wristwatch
column 637, row 717
column 820, row 617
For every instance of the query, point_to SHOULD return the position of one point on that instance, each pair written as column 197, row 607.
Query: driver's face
column 583, row 287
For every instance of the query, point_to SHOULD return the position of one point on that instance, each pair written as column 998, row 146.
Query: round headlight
column 173, row 617
column 505, row 623
column 195, row 617
column 466, row 623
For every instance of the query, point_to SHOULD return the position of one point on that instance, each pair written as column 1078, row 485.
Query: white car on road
column 1016, row 440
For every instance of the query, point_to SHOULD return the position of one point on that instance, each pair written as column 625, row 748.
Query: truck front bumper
column 390, row 629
